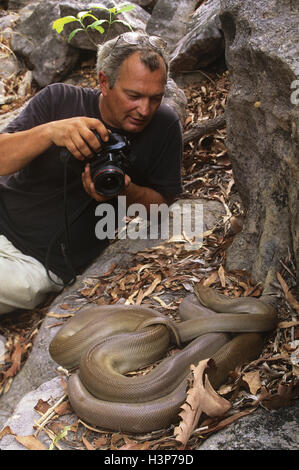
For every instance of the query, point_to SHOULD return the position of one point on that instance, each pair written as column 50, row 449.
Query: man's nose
column 144, row 106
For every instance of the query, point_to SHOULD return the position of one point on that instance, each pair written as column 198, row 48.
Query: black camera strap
column 65, row 247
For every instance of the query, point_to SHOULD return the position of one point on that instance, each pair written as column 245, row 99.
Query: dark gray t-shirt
column 32, row 209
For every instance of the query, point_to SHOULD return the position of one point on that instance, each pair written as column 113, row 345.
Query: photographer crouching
column 72, row 148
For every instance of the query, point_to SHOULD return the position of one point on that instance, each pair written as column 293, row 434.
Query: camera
column 108, row 166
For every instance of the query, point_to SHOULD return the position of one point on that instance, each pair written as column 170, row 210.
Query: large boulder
column 44, row 51
column 262, row 51
column 203, row 42
column 170, row 20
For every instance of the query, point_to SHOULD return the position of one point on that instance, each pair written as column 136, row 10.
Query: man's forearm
column 144, row 195
column 18, row 149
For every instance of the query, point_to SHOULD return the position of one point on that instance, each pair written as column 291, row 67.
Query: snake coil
column 109, row 341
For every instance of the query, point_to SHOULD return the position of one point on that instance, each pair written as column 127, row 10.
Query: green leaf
column 60, row 436
column 124, row 23
column 125, row 8
column 96, row 25
column 99, row 28
column 75, row 31
column 58, row 24
column 85, row 14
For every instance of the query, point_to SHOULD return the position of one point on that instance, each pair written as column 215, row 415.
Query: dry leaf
column 87, row 444
column 285, row 393
column 5, row 430
column 16, row 361
column 287, row 324
column 64, row 306
column 288, row 295
column 142, row 295
column 253, row 381
column 201, row 397
column 42, row 406
column 63, row 409
column 221, row 274
column 110, row 270
column 59, row 315
column 211, row 279
column 225, row 422
column 30, row 442
column 100, row 442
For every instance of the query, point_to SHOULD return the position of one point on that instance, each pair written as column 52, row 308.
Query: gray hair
column 112, row 53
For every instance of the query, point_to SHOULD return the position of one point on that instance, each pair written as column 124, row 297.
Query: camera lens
column 109, row 180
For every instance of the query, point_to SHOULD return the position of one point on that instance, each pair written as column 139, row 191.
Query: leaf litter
column 161, row 277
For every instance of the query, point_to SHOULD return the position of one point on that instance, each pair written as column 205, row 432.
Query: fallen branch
column 197, row 131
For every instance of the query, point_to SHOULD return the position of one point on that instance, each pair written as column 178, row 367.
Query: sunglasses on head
column 140, row 38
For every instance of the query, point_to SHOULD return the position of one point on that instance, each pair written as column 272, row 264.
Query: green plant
column 97, row 24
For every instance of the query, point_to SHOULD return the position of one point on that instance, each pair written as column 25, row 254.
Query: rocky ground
column 256, row 390
column 262, row 394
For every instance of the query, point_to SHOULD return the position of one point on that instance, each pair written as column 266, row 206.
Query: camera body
column 108, row 166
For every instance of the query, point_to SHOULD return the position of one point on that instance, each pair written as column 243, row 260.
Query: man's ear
column 103, row 83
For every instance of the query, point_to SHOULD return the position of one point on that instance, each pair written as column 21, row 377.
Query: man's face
column 132, row 102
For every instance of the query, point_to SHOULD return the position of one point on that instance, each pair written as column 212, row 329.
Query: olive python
column 109, row 341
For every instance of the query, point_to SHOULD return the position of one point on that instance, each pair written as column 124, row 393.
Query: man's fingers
column 76, row 134
column 88, row 185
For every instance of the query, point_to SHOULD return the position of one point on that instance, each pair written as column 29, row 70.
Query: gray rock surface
column 22, row 421
column 262, row 430
column 203, row 42
column 262, row 53
column 170, row 20
column 44, row 51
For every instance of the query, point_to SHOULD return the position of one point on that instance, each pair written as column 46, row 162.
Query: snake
column 107, row 342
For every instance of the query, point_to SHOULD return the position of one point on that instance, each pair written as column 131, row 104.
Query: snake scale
column 109, row 341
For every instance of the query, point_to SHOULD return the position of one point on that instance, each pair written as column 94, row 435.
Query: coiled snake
column 109, row 341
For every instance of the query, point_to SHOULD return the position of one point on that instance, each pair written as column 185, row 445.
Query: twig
column 50, row 434
column 100, row 431
column 46, row 416
column 201, row 129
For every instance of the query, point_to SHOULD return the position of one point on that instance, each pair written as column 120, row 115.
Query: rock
column 22, row 421
column 8, row 63
column 262, row 50
column 263, row 429
column 203, row 42
column 170, row 20
column 25, row 85
column 145, row 3
column 136, row 18
column 6, row 118
column 44, row 51
column 2, row 348
column 17, row 4
column 176, row 99
column 8, row 20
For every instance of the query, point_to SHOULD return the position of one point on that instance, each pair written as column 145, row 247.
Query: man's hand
column 76, row 135
column 90, row 189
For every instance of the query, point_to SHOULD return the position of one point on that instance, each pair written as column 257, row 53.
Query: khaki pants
column 24, row 282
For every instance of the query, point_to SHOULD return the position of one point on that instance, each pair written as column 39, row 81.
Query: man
column 47, row 211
